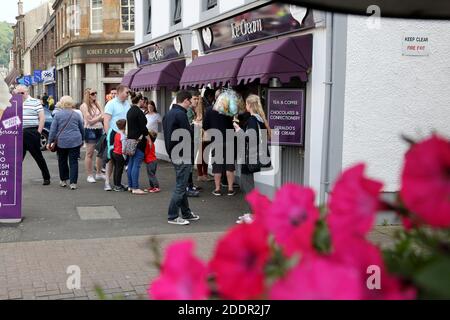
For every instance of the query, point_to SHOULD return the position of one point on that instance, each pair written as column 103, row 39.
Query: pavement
column 106, row 234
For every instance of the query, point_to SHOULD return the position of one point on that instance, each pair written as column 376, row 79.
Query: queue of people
column 124, row 136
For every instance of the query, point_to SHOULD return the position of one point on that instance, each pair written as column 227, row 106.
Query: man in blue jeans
column 176, row 121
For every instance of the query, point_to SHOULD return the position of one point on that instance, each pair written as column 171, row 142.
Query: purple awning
column 282, row 59
column 216, row 69
column 155, row 76
column 128, row 78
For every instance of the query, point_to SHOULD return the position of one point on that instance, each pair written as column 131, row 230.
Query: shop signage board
column 11, row 150
column 28, row 80
column 416, row 45
column 256, row 24
column 286, row 115
column 37, row 76
column 164, row 50
column 48, row 76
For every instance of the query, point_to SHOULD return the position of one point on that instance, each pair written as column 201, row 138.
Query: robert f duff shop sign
column 286, row 112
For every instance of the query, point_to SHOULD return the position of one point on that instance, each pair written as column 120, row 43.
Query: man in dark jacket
column 176, row 124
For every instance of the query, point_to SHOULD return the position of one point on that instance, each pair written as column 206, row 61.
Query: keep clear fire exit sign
column 416, row 45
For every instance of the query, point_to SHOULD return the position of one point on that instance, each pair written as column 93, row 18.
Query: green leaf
column 322, row 239
column 435, row 278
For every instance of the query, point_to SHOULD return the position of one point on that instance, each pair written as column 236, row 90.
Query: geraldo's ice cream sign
column 11, row 149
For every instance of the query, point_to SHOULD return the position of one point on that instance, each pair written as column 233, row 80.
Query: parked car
column 46, row 130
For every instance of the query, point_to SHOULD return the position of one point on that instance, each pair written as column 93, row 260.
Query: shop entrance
column 108, row 88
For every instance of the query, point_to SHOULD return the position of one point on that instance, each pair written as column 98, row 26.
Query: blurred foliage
column 6, row 37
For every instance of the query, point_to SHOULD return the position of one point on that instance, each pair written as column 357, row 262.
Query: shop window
column 149, row 16
column 114, row 70
column 127, row 15
column 177, row 11
column 96, row 16
column 210, row 4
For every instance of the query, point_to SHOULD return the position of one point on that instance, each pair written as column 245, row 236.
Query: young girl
column 118, row 158
column 150, row 160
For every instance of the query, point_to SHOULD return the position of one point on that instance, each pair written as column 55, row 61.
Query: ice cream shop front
column 268, row 51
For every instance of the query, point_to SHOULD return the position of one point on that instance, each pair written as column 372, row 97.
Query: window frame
column 129, row 6
column 91, row 16
column 174, row 10
column 77, row 17
column 149, row 17
column 207, row 5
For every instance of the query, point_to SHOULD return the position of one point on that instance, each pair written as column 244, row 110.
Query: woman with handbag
column 137, row 138
column 254, row 125
column 66, row 138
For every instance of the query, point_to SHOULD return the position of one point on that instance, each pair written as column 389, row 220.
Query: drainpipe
column 325, row 174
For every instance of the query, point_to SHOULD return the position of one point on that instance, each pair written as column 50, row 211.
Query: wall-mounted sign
column 11, row 149
column 28, row 80
column 168, row 49
column 37, row 76
column 286, row 113
column 416, row 45
column 48, row 76
column 256, row 24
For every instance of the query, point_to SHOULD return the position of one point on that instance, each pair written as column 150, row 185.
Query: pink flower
column 426, row 181
column 319, row 278
column 259, row 203
column 239, row 261
column 357, row 253
column 353, row 203
column 183, row 276
column 291, row 217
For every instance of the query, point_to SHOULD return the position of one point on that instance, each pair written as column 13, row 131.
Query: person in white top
column 153, row 117
column 93, row 130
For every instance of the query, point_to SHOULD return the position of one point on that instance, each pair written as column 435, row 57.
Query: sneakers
column 192, row 193
column 153, row 190
column 119, row 189
column 231, row 193
column 179, row 221
column 91, row 179
column 217, row 193
column 192, row 217
column 73, row 186
column 246, row 218
column 46, row 183
column 100, row 177
column 63, row 184
column 107, row 187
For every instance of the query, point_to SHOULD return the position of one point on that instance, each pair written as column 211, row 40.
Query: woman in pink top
column 93, row 130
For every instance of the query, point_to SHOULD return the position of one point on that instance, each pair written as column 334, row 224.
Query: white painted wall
column 227, row 5
column 388, row 94
column 315, row 110
column 191, row 12
column 139, row 20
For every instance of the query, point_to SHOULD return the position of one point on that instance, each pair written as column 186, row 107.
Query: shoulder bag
column 54, row 145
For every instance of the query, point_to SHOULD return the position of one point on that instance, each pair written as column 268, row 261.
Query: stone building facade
column 92, row 37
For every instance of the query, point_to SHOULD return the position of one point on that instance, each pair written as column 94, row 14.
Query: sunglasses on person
column 93, row 93
column 22, row 93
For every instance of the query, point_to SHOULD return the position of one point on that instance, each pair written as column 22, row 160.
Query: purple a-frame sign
column 11, row 150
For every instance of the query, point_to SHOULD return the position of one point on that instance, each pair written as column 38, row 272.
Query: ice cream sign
column 11, row 160
column 416, row 45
